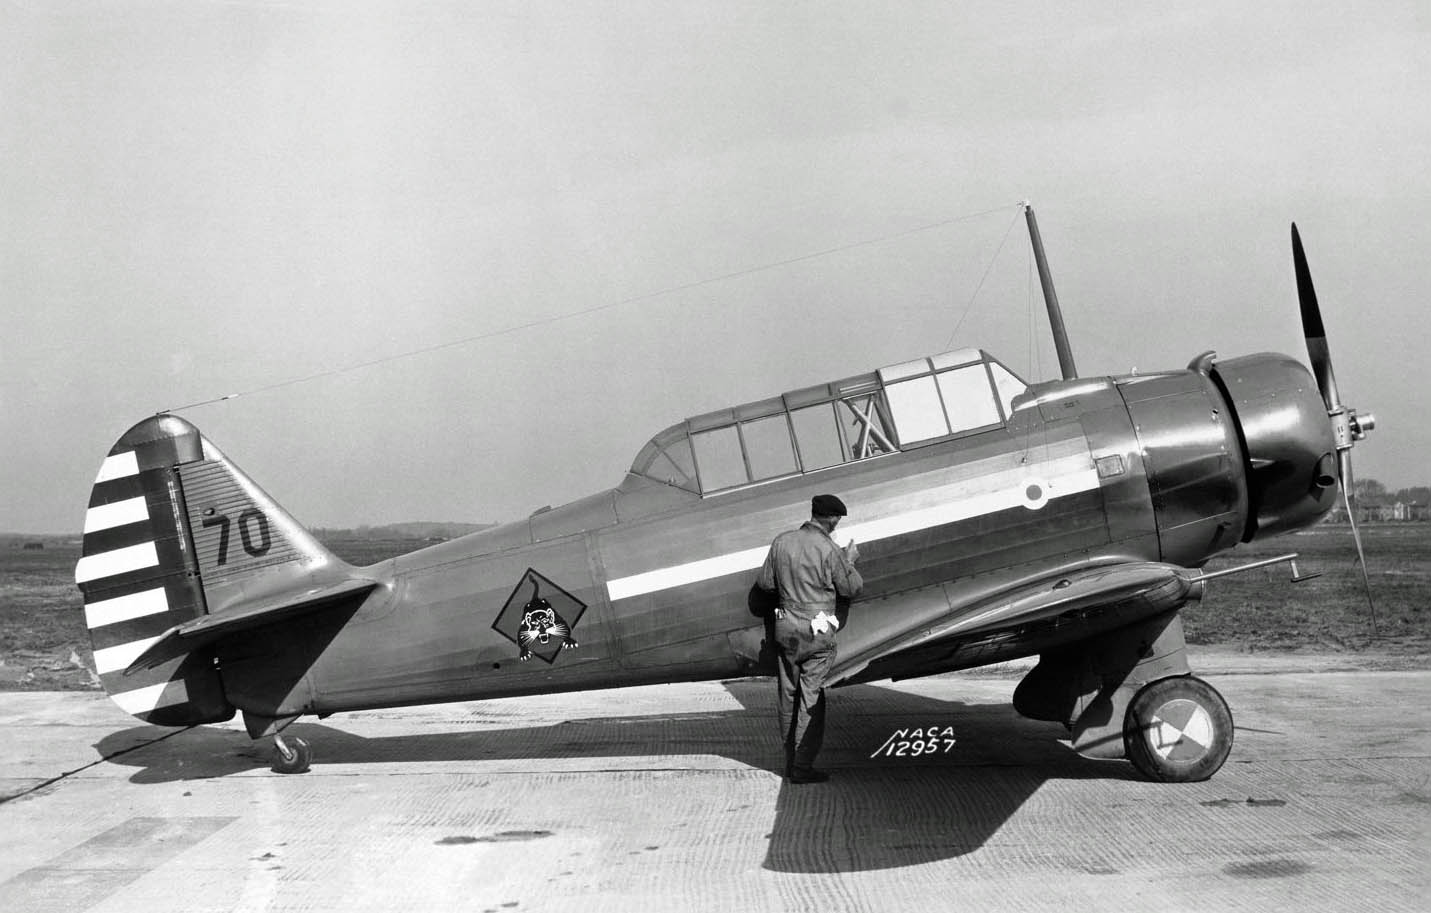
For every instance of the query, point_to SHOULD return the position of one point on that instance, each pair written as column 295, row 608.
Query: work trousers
column 805, row 660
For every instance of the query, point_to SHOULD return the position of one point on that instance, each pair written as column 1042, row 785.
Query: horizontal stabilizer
column 189, row 636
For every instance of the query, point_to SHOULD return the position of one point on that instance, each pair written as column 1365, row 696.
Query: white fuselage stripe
column 118, row 466
column 120, row 513
column 971, row 498
column 123, row 608
column 117, row 658
column 143, row 700
column 119, row 561
column 681, row 574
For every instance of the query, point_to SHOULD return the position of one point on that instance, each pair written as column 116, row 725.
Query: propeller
column 1347, row 426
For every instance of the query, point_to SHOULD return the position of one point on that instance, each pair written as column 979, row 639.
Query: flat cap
column 827, row 506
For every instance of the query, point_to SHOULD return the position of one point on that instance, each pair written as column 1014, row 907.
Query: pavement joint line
column 995, row 765
column 1347, row 757
column 79, row 770
column 529, row 771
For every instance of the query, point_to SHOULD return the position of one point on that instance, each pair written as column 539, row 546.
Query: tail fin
column 175, row 531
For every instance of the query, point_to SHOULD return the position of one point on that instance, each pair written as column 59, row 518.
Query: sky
column 461, row 260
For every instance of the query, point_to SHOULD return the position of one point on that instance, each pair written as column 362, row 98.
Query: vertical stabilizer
column 175, row 531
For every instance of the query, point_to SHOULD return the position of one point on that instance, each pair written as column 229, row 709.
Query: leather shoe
column 808, row 776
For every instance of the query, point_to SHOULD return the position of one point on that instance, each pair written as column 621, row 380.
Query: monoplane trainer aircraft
column 996, row 520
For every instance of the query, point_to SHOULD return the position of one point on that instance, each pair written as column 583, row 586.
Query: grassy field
column 1262, row 610
column 44, row 644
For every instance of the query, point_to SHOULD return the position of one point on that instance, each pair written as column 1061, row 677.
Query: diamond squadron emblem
column 539, row 618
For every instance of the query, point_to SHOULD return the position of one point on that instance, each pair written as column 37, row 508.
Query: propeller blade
column 1321, row 357
column 1344, row 465
column 1312, row 328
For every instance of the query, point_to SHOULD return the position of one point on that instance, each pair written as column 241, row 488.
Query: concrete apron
column 669, row 797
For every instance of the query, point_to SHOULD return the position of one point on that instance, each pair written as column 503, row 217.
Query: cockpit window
column 817, row 434
column 677, row 466
column 667, row 459
column 869, row 415
column 866, row 429
column 768, row 447
column 947, row 394
column 918, row 411
column 1007, row 385
column 967, row 399
column 719, row 462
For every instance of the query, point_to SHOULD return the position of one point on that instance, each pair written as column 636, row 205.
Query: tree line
column 1370, row 491
column 1377, row 504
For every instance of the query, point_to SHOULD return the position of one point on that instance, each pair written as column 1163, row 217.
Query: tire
column 295, row 760
column 1178, row 730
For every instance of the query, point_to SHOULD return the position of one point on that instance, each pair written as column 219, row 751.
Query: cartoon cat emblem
column 540, row 623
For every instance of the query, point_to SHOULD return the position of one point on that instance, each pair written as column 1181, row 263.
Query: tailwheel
column 1178, row 730
column 291, row 756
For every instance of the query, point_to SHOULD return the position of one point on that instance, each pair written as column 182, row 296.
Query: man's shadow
column 883, row 808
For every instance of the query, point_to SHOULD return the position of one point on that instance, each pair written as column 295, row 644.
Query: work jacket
column 808, row 570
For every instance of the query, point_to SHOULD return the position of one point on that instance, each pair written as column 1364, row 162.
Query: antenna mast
column 1050, row 297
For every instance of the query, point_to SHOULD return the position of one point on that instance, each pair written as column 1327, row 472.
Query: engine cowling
column 1288, row 442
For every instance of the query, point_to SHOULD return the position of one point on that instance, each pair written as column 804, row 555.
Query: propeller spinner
column 1347, row 426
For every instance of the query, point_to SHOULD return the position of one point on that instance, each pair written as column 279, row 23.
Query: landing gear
column 291, row 756
column 1178, row 730
column 1129, row 693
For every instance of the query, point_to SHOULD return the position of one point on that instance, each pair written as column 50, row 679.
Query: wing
column 1029, row 617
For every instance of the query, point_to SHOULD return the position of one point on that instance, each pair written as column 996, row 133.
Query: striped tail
column 175, row 531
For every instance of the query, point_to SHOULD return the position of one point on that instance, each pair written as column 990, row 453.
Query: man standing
column 808, row 572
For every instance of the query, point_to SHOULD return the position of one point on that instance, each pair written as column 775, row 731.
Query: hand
column 852, row 552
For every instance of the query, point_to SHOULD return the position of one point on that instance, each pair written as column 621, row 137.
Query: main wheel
column 291, row 756
column 1178, row 730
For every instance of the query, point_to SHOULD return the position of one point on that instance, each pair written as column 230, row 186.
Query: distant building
column 1411, row 511
column 1378, row 512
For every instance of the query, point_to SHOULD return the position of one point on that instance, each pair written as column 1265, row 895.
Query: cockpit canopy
column 894, row 409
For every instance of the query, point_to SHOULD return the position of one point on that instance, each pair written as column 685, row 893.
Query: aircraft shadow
column 878, row 811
